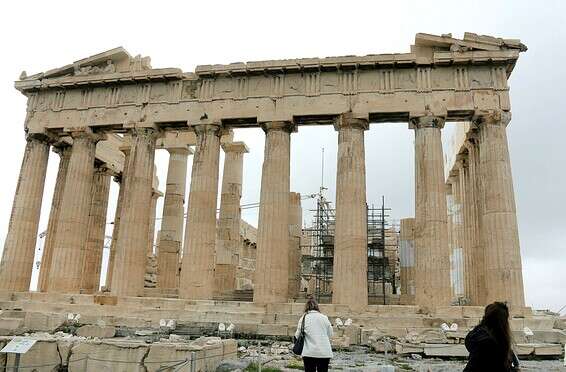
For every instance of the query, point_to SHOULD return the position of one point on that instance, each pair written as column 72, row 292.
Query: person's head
column 311, row 305
column 496, row 320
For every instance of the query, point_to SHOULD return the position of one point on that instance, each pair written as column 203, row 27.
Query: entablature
column 448, row 77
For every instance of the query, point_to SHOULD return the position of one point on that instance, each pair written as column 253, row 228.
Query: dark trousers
column 316, row 364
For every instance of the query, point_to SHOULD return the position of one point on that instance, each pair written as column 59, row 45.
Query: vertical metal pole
column 259, row 356
column 193, row 361
column 383, row 247
column 17, row 363
column 322, row 175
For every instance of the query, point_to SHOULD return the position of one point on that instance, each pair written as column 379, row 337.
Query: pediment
column 116, row 60
column 470, row 42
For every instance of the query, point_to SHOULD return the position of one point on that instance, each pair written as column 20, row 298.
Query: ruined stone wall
column 246, row 257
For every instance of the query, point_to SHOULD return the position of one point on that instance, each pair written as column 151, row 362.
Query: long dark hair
column 496, row 321
column 311, row 305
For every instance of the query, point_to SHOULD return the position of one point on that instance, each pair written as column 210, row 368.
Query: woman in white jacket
column 318, row 330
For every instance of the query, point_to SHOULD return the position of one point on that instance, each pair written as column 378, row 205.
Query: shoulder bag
column 300, row 341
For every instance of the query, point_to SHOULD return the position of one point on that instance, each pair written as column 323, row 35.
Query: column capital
column 492, row 117
column 238, row 147
column 84, row 132
column 348, row 121
column 62, row 149
column 41, row 137
column 180, row 150
column 214, row 128
column 286, row 126
column 426, row 121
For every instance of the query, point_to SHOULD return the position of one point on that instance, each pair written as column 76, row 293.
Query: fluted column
column 116, row 229
column 72, row 228
column 407, row 261
column 96, row 229
column 47, row 256
column 295, row 230
column 457, row 254
column 500, row 233
column 473, row 208
column 130, row 259
column 197, row 272
column 228, row 240
column 171, row 235
column 431, row 234
column 19, row 247
column 272, row 263
column 350, row 242
column 155, row 195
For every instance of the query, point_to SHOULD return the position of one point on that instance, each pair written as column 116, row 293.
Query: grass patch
column 295, row 365
column 253, row 367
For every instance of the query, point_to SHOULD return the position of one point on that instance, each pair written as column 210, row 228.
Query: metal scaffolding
column 318, row 252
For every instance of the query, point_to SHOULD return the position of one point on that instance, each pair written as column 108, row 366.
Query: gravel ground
column 362, row 360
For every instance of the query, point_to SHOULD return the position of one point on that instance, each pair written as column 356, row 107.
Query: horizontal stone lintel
column 323, row 109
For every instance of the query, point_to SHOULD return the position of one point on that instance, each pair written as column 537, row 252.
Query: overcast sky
column 37, row 36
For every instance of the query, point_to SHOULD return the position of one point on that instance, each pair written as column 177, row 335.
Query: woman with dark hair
column 489, row 343
column 318, row 330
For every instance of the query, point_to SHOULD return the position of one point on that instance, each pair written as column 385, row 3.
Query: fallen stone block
column 340, row 342
column 548, row 349
column 161, row 354
column 42, row 357
column 116, row 356
column 96, row 331
column 403, row 348
column 45, row 322
column 524, row 349
column 445, row 350
column 354, row 334
column 11, row 326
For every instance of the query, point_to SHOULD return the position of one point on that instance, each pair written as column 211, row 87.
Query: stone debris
column 54, row 351
column 93, row 331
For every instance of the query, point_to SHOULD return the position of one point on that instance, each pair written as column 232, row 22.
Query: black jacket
column 486, row 355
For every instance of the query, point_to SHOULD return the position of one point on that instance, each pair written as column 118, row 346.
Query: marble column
column 228, row 240
column 92, row 262
column 19, row 247
column 171, row 234
column 47, row 256
column 155, row 195
column 295, row 231
column 473, row 199
column 197, row 272
column 499, row 232
column 116, row 229
column 407, row 261
column 457, row 254
column 350, row 241
column 272, row 264
column 72, row 228
column 130, row 259
column 431, row 231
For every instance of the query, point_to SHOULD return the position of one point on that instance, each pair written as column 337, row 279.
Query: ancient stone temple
column 421, row 284
column 113, row 103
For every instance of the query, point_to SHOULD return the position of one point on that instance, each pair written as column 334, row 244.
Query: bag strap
column 303, row 325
